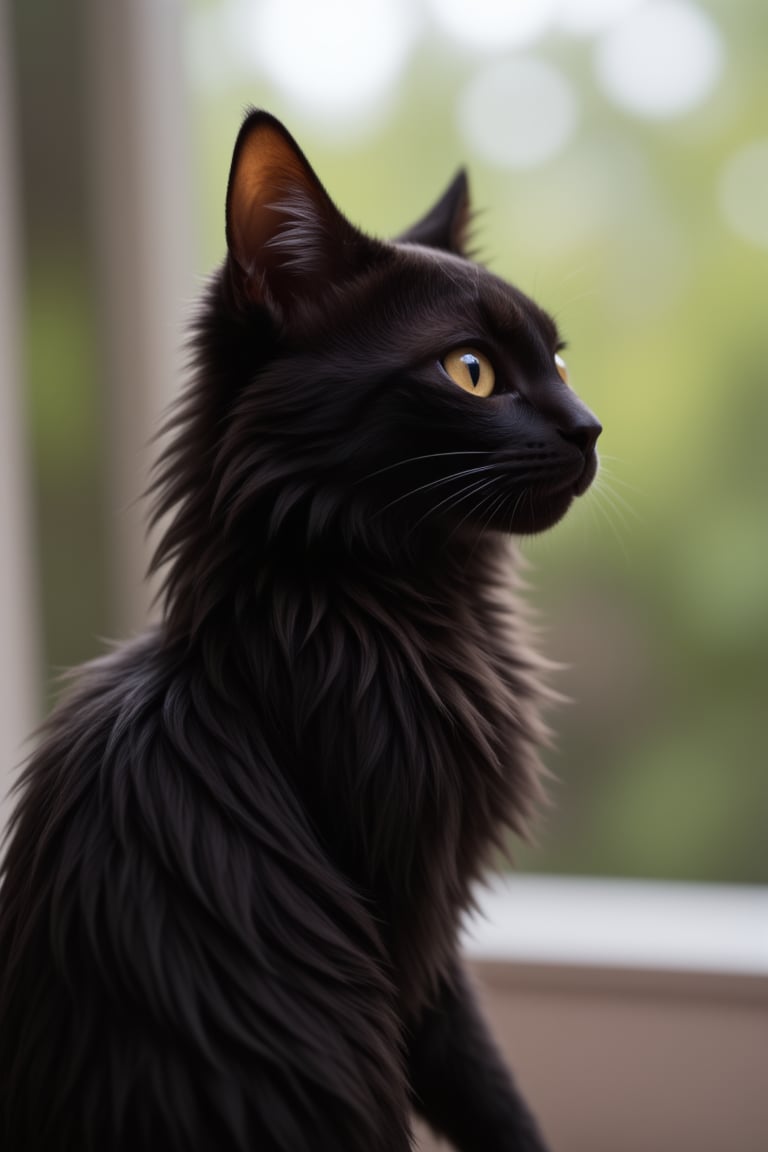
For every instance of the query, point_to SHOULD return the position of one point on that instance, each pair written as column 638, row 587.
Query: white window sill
column 531, row 920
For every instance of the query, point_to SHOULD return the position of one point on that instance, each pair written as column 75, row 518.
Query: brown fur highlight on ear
column 268, row 167
column 284, row 234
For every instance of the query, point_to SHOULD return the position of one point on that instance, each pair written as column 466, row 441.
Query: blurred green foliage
column 64, row 407
column 654, row 592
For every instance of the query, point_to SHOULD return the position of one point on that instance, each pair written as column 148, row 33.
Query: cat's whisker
column 606, row 471
column 495, row 502
column 614, row 459
column 496, row 506
column 520, row 498
column 604, row 486
column 614, row 479
column 599, row 505
column 426, row 456
column 454, row 499
column 604, row 494
column 621, row 502
column 530, row 501
column 483, row 503
column 492, row 501
column 436, row 483
column 615, row 532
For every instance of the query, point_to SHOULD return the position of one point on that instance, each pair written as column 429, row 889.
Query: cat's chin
column 541, row 513
column 543, row 509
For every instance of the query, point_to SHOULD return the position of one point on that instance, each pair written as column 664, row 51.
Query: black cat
column 235, row 874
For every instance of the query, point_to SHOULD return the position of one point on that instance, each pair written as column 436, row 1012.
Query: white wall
column 18, row 626
column 144, row 256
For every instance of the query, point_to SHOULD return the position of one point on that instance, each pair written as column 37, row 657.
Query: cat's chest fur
column 410, row 708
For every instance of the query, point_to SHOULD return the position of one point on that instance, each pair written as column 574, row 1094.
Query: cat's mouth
column 571, row 486
column 588, row 473
column 548, row 503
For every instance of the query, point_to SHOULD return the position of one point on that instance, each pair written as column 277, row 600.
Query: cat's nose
column 568, row 414
column 583, row 433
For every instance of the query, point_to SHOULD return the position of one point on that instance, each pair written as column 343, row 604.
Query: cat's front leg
column 460, row 1083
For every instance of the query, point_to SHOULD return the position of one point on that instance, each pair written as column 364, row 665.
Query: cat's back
column 75, row 787
column 168, row 920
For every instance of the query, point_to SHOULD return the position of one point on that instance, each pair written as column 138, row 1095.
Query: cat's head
column 392, row 389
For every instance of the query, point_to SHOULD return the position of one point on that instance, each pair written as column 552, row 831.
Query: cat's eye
column 562, row 367
column 471, row 370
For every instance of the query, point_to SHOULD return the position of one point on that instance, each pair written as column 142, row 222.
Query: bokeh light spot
column 663, row 59
column 347, row 58
column 589, row 17
column 336, row 63
column 518, row 113
column 743, row 193
column 493, row 25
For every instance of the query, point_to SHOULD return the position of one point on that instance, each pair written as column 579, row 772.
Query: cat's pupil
column 473, row 367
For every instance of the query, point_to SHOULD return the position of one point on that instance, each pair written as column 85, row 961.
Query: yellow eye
column 471, row 370
column 562, row 367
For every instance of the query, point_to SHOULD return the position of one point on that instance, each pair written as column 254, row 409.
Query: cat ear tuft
column 446, row 225
column 286, row 238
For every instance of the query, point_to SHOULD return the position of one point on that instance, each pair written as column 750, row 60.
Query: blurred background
column 618, row 156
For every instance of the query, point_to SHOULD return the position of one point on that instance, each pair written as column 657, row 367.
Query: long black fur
column 235, row 874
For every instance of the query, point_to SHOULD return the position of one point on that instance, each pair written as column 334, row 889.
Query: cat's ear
column 286, row 238
column 446, row 225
